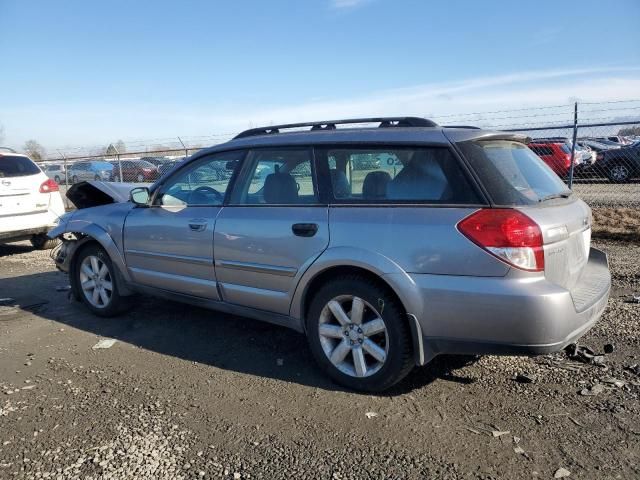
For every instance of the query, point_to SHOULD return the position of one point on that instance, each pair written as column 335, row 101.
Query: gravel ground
column 185, row 393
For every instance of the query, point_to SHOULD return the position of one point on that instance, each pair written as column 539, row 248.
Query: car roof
column 396, row 135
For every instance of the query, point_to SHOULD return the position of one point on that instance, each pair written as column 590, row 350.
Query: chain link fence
column 599, row 160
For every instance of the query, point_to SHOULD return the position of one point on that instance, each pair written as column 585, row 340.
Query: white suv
column 30, row 202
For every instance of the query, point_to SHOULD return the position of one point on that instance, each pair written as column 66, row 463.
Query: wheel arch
column 337, row 262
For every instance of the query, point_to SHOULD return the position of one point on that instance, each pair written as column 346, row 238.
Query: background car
column 620, row 164
column 554, row 152
column 90, row 170
column 134, row 171
column 55, row 172
column 30, row 202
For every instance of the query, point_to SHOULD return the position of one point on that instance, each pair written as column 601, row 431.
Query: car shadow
column 199, row 335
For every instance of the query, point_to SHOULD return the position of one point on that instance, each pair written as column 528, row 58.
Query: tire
column 94, row 257
column 74, row 179
column 57, row 179
column 42, row 242
column 618, row 173
column 378, row 304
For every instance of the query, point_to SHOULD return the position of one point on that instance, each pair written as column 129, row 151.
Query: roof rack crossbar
column 331, row 125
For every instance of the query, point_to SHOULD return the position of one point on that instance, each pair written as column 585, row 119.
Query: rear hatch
column 515, row 177
column 20, row 181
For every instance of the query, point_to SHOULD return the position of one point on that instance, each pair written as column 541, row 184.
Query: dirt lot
column 188, row 393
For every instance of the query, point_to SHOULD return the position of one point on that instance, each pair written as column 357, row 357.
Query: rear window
column 511, row 172
column 396, row 175
column 15, row 166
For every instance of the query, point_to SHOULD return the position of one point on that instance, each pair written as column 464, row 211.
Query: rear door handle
column 197, row 225
column 304, row 229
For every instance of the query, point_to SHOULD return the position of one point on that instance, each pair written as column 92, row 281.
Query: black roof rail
column 462, row 126
column 11, row 150
column 331, row 125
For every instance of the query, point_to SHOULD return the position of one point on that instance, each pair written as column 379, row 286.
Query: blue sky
column 83, row 72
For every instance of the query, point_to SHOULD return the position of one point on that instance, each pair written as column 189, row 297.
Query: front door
column 271, row 231
column 169, row 245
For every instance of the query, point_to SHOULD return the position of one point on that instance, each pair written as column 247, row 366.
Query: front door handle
column 197, row 225
column 304, row 229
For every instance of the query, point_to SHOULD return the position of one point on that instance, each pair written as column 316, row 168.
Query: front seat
column 375, row 184
column 280, row 188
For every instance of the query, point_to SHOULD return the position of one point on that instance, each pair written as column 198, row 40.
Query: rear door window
column 511, row 172
column 17, row 166
column 396, row 175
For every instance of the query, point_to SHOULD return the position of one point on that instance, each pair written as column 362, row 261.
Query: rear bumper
column 509, row 316
column 24, row 234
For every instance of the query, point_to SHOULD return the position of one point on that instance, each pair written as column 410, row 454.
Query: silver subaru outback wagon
column 386, row 243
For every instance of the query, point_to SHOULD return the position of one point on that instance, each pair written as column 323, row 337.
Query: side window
column 202, row 183
column 276, row 177
column 397, row 175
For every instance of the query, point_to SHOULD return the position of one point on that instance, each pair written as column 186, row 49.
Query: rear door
column 273, row 228
column 169, row 245
column 20, row 181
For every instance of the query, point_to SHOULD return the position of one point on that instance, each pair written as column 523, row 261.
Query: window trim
column 246, row 170
column 336, row 202
column 192, row 164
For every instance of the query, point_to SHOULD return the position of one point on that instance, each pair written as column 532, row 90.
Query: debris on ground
column 104, row 343
column 525, row 378
column 561, row 473
column 635, row 368
column 614, row 381
column 634, row 299
column 499, row 433
column 593, row 390
column 608, row 348
column 371, row 414
column 584, row 354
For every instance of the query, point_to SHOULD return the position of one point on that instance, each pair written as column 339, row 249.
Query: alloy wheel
column 619, row 173
column 353, row 336
column 96, row 281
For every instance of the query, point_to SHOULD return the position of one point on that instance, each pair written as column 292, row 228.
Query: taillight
column 508, row 234
column 49, row 186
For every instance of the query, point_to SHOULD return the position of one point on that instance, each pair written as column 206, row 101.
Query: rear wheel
column 96, row 282
column 618, row 173
column 42, row 242
column 358, row 335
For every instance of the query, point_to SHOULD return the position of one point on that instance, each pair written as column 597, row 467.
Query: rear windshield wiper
column 551, row 196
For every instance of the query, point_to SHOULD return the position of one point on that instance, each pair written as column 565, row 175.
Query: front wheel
column 358, row 334
column 96, row 282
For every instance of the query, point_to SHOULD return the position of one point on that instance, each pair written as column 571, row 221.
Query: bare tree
column 34, row 150
column 120, row 146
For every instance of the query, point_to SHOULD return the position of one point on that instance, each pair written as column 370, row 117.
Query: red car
column 135, row 171
column 555, row 153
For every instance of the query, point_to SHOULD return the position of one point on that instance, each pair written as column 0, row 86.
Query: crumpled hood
column 94, row 193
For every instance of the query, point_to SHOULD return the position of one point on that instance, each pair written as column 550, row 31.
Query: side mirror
column 140, row 196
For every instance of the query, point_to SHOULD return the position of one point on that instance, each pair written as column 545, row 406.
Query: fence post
column 66, row 179
column 573, row 143
column 186, row 150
